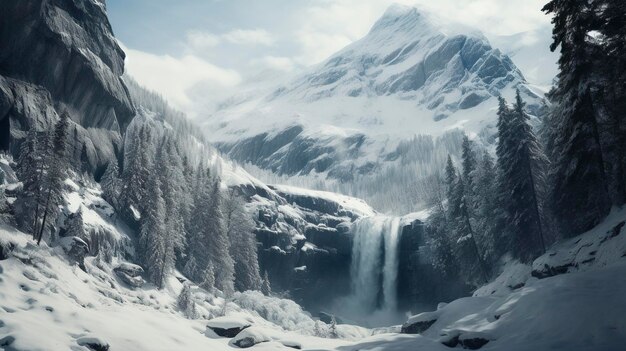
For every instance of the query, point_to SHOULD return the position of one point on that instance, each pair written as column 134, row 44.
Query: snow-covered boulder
column 5, row 249
column 130, row 274
column 250, row 337
column 75, row 248
column 291, row 344
column 130, row 269
column 227, row 326
column 420, row 323
column 93, row 343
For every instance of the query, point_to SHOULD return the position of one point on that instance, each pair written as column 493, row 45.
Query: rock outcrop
column 60, row 56
column 130, row 274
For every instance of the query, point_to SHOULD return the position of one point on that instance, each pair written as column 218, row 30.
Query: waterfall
column 374, row 268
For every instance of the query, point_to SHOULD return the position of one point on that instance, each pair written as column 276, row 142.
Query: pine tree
column 186, row 303
column 111, row 184
column 333, row 328
column 580, row 186
column 243, row 245
column 208, row 277
column 172, row 181
column 138, row 168
column 488, row 209
column 198, row 237
column 266, row 289
column 30, row 171
column 153, row 240
column 219, row 244
column 56, row 165
column 521, row 164
column 469, row 162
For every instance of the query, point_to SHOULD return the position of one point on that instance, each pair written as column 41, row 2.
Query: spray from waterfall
column 374, row 269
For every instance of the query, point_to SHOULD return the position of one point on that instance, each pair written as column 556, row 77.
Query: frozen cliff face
column 410, row 75
column 61, row 55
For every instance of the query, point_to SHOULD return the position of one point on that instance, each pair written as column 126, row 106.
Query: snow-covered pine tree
column 450, row 180
column 30, row 171
column 521, row 164
column 57, row 166
column 111, row 184
column 138, row 168
column 266, row 288
column 185, row 301
column 158, row 257
column 333, row 328
column 207, row 281
column 469, row 163
column 175, row 193
column 488, row 209
column 197, row 257
column 218, row 242
column 243, row 245
column 580, row 186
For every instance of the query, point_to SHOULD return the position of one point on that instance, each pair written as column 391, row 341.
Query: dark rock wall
column 61, row 56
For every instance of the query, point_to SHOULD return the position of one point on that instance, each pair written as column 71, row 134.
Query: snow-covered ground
column 48, row 304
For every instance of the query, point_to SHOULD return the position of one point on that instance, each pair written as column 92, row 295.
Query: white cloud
column 200, row 40
column 249, row 37
column 276, row 63
column 176, row 77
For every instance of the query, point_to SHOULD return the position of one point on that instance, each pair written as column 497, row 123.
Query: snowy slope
column 411, row 74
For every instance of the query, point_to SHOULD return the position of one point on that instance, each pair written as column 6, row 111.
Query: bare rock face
column 61, row 55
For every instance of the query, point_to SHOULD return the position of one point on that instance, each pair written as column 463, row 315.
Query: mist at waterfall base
column 373, row 273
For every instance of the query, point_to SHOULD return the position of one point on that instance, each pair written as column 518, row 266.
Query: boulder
column 420, row 323
column 291, row 344
column 130, row 274
column 129, row 269
column 76, row 249
column 228, row 327
column 133, row 282
column 249, row 338
column 5, row 249
column 417, row 327
column 93, row 343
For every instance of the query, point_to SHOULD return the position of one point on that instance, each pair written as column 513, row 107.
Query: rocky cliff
column 61, row 56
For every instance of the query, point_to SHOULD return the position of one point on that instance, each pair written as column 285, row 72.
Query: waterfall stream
column 374, row 268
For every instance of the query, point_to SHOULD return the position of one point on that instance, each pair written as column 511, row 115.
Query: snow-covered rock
column 130, row 274
column 227, row 326
column 250, row 337
column 93, row 343
column 75, row 248
column 420, row 323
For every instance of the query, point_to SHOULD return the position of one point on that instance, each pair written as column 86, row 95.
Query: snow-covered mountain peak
column 401, row 17
column 412, row 74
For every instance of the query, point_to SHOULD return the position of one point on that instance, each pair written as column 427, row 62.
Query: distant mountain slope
column 348, row 116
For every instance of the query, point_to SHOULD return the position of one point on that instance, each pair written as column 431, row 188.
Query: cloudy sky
column 191, row 50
